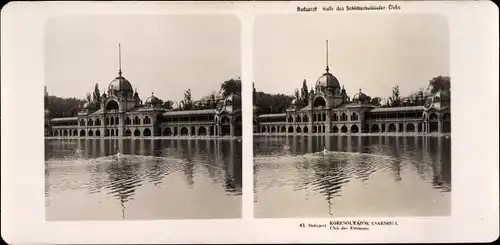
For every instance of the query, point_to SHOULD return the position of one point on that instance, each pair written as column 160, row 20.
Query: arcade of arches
column 351, row 123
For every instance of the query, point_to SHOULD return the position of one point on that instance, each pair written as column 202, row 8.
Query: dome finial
column 327, row 68
column 119, row 60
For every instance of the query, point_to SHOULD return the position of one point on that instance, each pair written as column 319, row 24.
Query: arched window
column 324, row 116
column 82, row 122
column 335, row 117
column 117, row 120
column 290, row 118
column 297, row 118
column 136, row 120
column 91, row 122
column 146, row 120
column 319, row 101
column 314, row 117
column 112, row 121
column 343, row 117
column 305, row 118
column 106, row 121
column 354, row 116
column 137, row 132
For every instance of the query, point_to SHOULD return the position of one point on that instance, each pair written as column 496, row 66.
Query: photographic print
column 352, row 115
column 249, row 122
column 143, row 117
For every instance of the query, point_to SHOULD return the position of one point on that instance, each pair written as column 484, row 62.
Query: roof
column 189, row 112
column 396, row 109
column 272, row 115
column 64, row 119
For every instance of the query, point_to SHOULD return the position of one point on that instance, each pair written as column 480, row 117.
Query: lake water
column 151, row 179
column 368, row 176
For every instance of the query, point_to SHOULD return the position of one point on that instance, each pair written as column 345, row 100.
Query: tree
column 97, row 94
column 187, row 103
column 376, row 101
column 395, row 100
column 212, row 101
column 45, row 97
column 272, row 103
column 439, row 83
column 89, row 98
column 254, row 93
column 63, row 107
column 168, row 104
column 304, row 95
column 231, row 86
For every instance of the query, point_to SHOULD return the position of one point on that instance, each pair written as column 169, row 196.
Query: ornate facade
column 329, row 110
column 122, row 113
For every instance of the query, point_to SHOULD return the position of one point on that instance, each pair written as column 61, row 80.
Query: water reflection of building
column 123, row 181
column 329, row 180
column 122, row 113
column 330, row 110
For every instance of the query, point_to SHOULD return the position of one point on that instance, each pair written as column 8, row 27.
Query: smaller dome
column 233, row 99
column 360, row 97
column 86, row 105
column 294, row 102
column 47, row 112
column 152, row 100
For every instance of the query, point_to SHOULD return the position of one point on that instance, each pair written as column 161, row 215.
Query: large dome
column 120, row 84
column 328, row 80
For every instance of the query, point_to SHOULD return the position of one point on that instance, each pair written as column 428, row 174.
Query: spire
column 119, row 60
column 327, row 68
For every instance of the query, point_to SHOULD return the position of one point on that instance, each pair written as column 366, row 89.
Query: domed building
column 331, row 111
column 121, row 113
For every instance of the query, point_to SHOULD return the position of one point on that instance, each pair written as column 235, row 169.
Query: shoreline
column 359, row 134
column 144, row 138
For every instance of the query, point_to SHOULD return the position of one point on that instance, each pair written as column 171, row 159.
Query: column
column 440, row 123
column 328, row 122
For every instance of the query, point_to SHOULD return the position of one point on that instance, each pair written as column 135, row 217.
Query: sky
column 369, row 51
column 161, row 54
